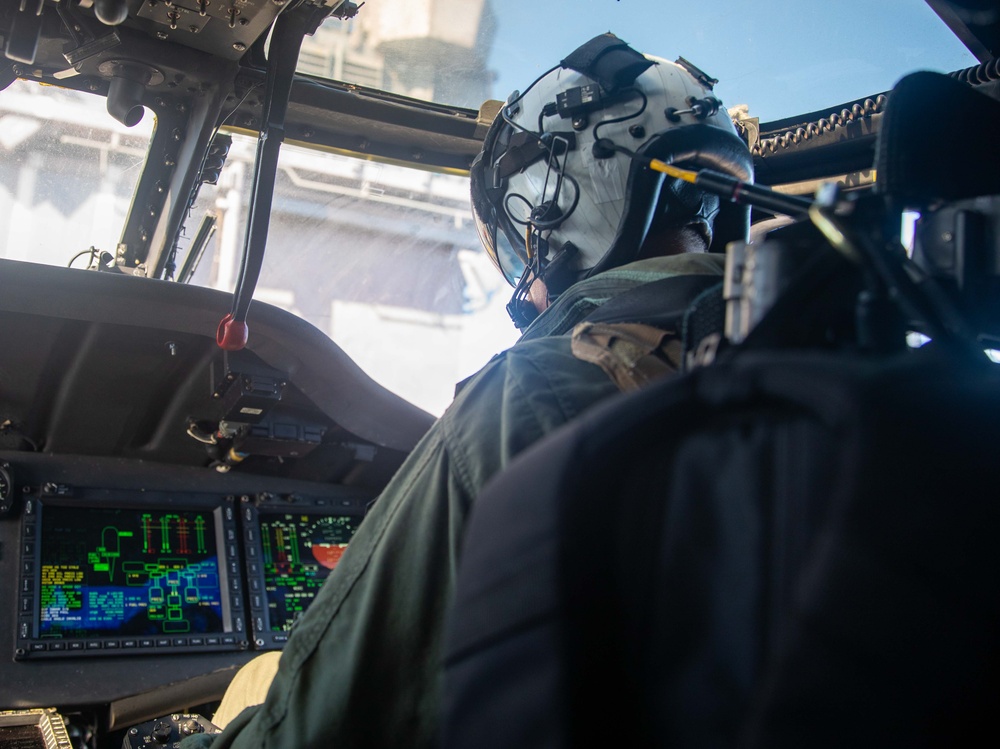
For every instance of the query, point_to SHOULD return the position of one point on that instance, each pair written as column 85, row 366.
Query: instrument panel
column 108, row 572
column 160, row 578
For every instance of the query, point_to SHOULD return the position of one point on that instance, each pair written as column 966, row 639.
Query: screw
column 94, row 87
column 244, row 21
column 239, row 46
column 193, row 29
column 947, row 236
column 637, row 131
column 579, row 123
column 162, row 35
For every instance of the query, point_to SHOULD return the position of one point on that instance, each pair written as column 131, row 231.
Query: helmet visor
column 506, row 256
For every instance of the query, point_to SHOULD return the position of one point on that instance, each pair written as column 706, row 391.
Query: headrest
column 938, row 141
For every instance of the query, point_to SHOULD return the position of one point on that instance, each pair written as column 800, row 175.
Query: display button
column 254, row 584
column 57, row 646
column 228, row 640
column 180, row 642
column 259, row 621
column 24, row 629
column 212, row 641
column 75, row 645
column 112, row 644
column 230, row 534
column 94, row 644
column 252, row 551
column 234, row 583
column 130, row 643
column 36, row 646
column 197, row 641
column 25, row 585
column 229, row 513
column 146, row 643
column 281, row 638
column 28, row 549
column 27, row 567
column 239, row 624
column 163, row 642
column 26, row 604
column 232, row 550
column 254, row 568
column 237, row 602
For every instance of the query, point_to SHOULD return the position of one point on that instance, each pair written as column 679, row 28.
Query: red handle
column 232, row 334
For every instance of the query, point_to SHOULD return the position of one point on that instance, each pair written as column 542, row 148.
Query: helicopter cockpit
column 239, row 277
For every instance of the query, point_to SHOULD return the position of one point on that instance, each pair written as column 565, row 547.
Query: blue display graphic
column 111, row 572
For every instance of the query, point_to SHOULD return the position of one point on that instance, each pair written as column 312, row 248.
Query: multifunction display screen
column 111, row 572
column 298, row 552
column 104, row 576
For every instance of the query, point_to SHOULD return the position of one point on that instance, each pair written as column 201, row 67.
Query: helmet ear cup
column 648, row 196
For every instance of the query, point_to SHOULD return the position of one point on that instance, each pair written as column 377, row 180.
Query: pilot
column 572, row 215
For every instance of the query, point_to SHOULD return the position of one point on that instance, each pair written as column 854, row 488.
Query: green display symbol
column 105, row 557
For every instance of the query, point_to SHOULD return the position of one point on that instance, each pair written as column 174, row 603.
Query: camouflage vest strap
column 631, row 354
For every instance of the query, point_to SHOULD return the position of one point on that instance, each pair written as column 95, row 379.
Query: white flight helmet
column 562, row 186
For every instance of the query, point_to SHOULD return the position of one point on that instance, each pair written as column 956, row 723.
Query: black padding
column 938, row 141
column 609, row 61
column 677, row 204
column 784, row 549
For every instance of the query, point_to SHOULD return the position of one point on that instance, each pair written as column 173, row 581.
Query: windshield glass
column 384, row 259
column 462, row 52
column 67, row 173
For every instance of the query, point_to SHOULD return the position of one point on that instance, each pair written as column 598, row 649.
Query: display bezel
column 31, row 644
column 251, row 514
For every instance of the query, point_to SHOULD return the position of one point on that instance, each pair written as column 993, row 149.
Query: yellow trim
column 673, row 171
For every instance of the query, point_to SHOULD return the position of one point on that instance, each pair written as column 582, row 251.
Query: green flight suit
column 361, row 668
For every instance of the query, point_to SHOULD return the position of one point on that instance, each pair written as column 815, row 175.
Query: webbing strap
column 609, row 61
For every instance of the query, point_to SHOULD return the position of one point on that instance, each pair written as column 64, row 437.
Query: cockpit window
column 67, row 174
column 384, row 259
column 462, row 52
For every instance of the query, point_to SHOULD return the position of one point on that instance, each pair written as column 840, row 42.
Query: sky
column 782, row 58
